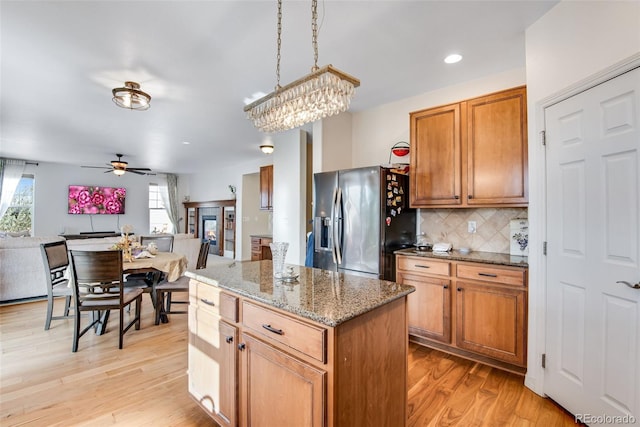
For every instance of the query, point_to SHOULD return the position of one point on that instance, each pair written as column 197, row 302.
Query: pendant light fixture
column 131, row 97
column 324, row 92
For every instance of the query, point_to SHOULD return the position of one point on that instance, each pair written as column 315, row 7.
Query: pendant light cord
column 279, row 45
column 314, row 33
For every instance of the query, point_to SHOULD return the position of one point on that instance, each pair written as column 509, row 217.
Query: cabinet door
column 490, row 320
column 213, row 365
column 435, row 177
column 497, row 148
column 280, row 390
column 266, row 187
column 429, row 307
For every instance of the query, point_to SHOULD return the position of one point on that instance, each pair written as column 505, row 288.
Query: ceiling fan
column 119, row 167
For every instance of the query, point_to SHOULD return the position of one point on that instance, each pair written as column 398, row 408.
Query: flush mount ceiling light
column 267, row 146
column 131, row 97
column 453, row 58
column 324, row 92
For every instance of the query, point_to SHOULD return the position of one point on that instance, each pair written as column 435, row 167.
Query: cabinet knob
column 446, row 286
column 459, row 289
column 242, row 346
column 456, row 197
column 469, row 196
column 229, row 339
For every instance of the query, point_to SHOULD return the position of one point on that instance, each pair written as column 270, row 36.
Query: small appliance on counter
column 361, row 217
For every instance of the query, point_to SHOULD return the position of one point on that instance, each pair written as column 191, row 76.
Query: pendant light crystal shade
column 131, row 97
column 323, row 93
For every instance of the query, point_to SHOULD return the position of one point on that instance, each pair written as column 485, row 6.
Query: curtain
column 169, row 194
column 10, row 175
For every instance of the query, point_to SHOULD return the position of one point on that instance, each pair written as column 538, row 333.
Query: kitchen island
column 326, row 349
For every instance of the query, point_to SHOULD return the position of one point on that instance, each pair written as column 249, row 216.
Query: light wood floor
column 145, row 384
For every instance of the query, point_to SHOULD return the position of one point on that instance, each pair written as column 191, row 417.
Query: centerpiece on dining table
column 127, row 244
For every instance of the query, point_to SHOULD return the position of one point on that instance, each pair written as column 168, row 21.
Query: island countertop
column 327, row 297
column 474, row 256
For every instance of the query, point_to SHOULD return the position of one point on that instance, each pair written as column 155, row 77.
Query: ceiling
column 199, row 60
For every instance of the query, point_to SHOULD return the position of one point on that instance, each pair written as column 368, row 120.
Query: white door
column 593, row 242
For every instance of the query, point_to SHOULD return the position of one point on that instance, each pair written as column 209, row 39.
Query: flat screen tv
column 94, row 200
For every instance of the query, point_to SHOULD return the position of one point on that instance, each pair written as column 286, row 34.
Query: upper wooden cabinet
column 472, row 153
column 266, row 187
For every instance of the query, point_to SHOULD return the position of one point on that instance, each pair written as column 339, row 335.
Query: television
column 94, row 200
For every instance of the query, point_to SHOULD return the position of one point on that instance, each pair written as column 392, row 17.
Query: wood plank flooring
column 145, row 384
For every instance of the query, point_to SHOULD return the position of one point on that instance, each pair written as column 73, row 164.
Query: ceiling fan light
column 131, row 97
column 118, row 172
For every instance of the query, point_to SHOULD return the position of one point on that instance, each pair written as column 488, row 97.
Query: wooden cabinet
column 472, row 153
column 260, row 248
column 266, row 187
column 291, row 371
column 473, row 310
column 212, row 352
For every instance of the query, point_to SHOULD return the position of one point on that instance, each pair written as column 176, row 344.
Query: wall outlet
column 471, row 227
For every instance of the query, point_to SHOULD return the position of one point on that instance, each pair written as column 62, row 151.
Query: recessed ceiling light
column 453, row 58
column 186, row 142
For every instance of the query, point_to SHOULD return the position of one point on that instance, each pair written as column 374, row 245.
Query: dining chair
column 56, row 262
column 181, row 285
column 164, row 243
column 98, row 287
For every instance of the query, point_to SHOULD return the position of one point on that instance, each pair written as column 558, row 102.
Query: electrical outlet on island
column 471, row 227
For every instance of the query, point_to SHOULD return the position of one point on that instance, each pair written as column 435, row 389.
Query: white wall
column 332, row 147
column 254, row 220
column 50, row 198
column 290, row 193
column 573, row 41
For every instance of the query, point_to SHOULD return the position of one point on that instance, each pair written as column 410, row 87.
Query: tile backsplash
column 450, row 225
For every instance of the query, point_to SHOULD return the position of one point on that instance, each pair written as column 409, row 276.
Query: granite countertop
column 327, row 297
column 264, row 236
column 473, row 256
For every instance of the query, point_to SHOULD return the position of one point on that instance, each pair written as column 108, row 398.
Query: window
column 158, row 218
column 18, row 218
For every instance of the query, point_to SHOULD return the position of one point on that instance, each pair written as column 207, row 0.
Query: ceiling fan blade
column 136, row 171
column 139, row 169
column 109, row 171
column 95, row 167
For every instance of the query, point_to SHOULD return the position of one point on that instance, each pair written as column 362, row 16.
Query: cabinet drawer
column 305, row 338
column 515, row 277
column 424, row 265
column 205, row 297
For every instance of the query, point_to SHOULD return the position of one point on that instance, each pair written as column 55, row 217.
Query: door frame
column 537, row 309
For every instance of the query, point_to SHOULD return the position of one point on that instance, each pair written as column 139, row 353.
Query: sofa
column 22, row 273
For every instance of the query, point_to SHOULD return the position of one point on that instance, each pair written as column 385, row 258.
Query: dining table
column 172, row 264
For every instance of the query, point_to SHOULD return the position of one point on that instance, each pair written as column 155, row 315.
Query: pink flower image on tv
column 96, row 200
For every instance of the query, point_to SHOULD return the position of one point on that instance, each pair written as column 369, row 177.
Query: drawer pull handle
column 487, row 275
column 274, row 330
column 206, row 301
column 229, row 339
column 422, row 266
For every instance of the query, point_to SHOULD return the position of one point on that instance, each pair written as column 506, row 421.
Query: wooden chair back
column 164, row 243
column 96, row 274
column 56, row 261
column 203, row 255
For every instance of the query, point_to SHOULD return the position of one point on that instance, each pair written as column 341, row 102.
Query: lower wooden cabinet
column 260, row 248
column 474, row 310
column 254, row 365
column 212, row 353
column 280, row 390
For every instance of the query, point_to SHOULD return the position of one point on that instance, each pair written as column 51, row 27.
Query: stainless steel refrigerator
column 361, row 216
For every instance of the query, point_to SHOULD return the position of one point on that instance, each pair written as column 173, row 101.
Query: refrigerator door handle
column 332, row 241
column 337, row 228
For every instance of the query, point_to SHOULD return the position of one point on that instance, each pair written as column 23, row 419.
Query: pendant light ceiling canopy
column 324, row 92
column 131, row 97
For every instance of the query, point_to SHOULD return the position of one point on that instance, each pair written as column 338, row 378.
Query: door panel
column 593, row 193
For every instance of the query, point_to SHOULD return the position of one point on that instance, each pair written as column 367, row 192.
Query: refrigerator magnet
column 388, row 221
column 393, row 212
